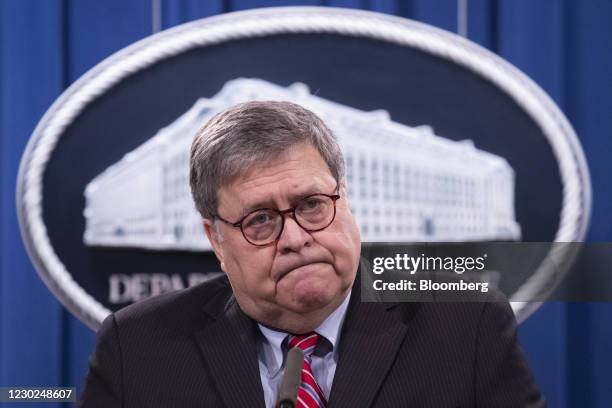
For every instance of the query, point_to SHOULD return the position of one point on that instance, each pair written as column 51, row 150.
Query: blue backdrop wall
column 45, row 45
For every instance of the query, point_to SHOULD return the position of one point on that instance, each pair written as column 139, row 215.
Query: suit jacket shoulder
column 432, row 354
column 147, row 353
column 180, row 310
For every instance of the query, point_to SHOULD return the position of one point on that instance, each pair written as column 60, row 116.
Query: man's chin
column 308, row 291
column 306, row 299
column 310, row 303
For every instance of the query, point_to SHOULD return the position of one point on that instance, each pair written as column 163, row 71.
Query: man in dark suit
column 268, row 180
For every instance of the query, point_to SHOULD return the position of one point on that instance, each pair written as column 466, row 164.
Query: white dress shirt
column 271, row 354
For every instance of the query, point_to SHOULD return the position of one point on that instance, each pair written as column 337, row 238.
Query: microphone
column 287, row 395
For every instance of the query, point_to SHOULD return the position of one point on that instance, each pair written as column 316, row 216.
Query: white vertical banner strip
column 156, row 16
column 462, row 18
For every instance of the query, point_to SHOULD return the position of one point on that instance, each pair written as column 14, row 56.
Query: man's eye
column 311, row 204
column 259, row 219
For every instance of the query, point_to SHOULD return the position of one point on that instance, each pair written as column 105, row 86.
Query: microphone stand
column 287, row 395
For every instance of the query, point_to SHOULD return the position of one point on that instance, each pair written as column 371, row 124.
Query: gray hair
column 236, row 139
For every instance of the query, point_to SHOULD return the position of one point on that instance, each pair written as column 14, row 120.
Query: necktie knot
column 305, row 342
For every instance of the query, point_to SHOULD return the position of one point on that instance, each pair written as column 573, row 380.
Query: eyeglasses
column 264, row 226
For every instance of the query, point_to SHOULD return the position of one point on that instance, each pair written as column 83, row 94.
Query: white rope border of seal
column 576, row 207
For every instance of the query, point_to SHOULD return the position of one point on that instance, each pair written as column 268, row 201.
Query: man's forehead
column 255, row 195
column 295, row 167
column 299, row 171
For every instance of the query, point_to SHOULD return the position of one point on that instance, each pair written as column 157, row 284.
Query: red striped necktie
column 309, row 393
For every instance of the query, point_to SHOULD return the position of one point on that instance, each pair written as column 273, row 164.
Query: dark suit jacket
column 195, row 348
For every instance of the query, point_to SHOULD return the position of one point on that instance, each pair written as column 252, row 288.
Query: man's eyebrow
column 293, row 199
column 257, row 206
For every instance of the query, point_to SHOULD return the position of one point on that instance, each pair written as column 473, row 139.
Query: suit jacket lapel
column 228, row 346
column 371, row 337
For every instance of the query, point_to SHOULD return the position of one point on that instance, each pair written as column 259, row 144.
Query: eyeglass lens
column 265, row 226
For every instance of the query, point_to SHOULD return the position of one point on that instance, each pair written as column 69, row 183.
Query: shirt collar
column 271, row 347
column 332, row 325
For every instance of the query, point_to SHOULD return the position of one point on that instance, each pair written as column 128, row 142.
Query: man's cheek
column 256, row 271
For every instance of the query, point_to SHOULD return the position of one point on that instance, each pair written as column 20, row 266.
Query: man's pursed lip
column 300, row 268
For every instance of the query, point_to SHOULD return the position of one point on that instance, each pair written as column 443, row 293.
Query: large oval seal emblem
column 443, row 141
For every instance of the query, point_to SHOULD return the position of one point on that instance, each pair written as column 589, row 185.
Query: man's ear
column 215, row 240
column 342, row 187
column 343, row 191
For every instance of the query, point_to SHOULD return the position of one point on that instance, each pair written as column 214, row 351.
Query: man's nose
column 293, row 237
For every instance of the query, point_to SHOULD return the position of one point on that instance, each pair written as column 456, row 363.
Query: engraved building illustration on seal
column 405, row 184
